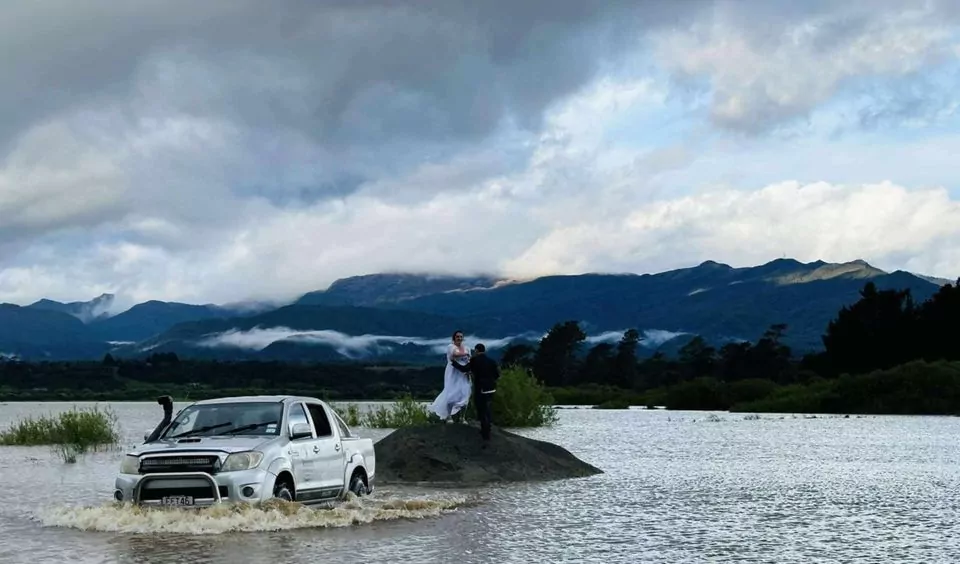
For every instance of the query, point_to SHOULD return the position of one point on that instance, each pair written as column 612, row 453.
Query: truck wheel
column 282, row 490
column 357, row 486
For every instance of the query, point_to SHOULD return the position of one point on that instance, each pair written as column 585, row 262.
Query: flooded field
column 677, row 487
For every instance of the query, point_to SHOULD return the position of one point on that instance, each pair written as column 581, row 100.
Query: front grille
column 156, row 494
column 209, row 464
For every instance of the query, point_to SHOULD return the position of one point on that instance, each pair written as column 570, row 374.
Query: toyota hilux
column 248, row 449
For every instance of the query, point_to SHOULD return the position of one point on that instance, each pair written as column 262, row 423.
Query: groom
column 485, row 374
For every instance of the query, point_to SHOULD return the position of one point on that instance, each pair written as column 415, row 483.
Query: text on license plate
column 177, row 500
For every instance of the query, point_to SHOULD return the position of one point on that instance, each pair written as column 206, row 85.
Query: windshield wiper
column 200, row 430
column 245, row 427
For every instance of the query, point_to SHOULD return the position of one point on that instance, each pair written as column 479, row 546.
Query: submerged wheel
column 357, row 485
column 283, row 490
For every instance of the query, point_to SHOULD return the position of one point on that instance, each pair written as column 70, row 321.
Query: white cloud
column 55, row 179
column 185, row 180
column 358, row 346
column 348, row 345
column 566, row 212
column 806, row 222
column 763, row 79
column 650, row 338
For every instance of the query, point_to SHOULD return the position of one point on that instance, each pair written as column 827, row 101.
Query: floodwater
column 678, row 487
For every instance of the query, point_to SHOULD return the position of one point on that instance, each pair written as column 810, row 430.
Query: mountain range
column 410, row 317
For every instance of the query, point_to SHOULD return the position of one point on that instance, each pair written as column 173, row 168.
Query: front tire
column 283, row 490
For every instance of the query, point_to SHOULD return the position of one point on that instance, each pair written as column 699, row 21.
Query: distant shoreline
column 635, row 406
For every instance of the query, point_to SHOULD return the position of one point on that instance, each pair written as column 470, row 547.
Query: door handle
column 316, row 448
column 336, row 447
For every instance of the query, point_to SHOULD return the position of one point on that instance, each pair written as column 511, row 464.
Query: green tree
column 698, row 357
column 625, row 363
column 770, row 358
column 598, row 365
column 735, row 361
column 555, row 362
column 876, row 332
column 657, row 371
column 518, row 355
column 937, row 318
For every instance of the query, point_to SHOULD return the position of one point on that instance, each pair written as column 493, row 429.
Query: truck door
column 329, row 452
column 300, row 451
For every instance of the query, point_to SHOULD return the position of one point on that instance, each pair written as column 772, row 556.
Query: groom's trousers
column 484, row 412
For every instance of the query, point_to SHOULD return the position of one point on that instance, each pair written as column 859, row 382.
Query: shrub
column 595, row 394
column 914, row 388
column 406, row 412
column 521, row 401
column 350, row 414
column 753, row 389
column 618, row 403
column 702, row 393
column 71, row 433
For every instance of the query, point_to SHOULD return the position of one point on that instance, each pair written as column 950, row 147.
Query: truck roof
column 242, row 399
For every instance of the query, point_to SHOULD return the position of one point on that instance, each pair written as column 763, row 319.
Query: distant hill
column 96, row 309
column 38, row 333
column 379, row 289
column 935, row 280
column 145, row 320
column 409, row 317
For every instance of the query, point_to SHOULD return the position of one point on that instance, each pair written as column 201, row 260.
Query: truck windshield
column 243, row 418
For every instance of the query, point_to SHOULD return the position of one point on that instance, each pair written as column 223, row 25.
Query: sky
column 225, row 151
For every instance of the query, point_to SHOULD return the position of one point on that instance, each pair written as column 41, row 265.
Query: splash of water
column 273, row 515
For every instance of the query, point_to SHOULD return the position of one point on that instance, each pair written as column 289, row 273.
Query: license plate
column 177, row 500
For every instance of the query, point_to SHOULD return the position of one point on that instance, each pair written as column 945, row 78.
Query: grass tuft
column 405, row 412
column 71, row 433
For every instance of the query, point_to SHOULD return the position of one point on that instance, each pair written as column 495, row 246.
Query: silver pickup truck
column 249, row 449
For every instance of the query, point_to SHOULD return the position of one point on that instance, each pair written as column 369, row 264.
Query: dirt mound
column 454, row 453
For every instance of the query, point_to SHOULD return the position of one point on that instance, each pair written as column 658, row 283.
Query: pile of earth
column 455, row 453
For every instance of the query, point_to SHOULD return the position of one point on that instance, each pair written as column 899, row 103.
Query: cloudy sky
column 226, row 150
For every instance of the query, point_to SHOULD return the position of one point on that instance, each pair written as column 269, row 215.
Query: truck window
column 344, row 430
column 296, row 417
column 320, row 420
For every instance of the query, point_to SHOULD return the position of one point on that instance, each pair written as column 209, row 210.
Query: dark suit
column 485, row 374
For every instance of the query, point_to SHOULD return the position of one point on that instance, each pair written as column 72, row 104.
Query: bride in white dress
column 456, row 386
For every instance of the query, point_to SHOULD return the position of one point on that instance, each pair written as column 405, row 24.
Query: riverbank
column 914, row 388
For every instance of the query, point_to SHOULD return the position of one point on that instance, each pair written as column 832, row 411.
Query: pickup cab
column 248, row 449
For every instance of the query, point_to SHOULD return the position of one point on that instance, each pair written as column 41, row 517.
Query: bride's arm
column 451, row 354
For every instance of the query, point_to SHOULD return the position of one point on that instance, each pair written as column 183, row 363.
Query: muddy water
column 678, row 487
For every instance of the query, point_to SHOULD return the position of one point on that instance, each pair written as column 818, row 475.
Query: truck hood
column 225, row 444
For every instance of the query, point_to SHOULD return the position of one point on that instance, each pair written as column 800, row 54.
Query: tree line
column 558, row 360
column 882, row 330
column 167, row 374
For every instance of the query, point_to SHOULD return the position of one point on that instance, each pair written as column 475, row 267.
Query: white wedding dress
column 456, row 386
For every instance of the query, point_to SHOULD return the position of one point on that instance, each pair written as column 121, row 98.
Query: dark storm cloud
column 217, row 150
column 343, row 72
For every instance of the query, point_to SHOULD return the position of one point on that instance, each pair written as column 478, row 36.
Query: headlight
column 242, row 461
column 130, row 465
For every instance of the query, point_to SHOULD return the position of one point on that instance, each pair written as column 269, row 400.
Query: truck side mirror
column 301, row 431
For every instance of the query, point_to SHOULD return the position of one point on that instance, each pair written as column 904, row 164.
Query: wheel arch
column 355, row 463
column 285, row 476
